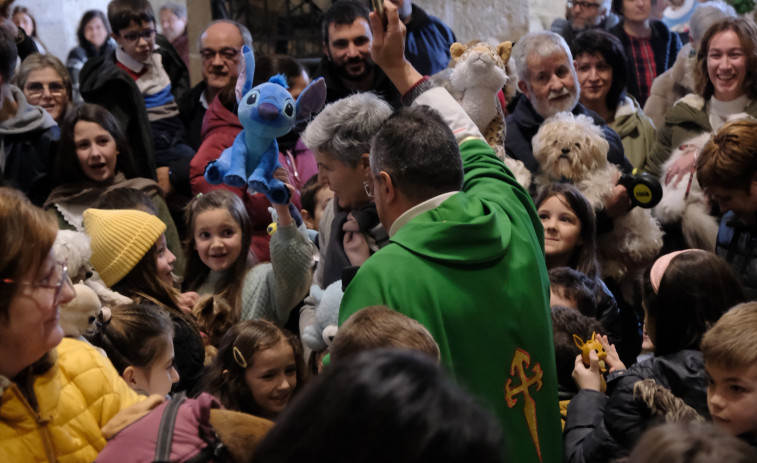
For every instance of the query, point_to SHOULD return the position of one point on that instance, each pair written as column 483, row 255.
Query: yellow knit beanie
column 120, row 238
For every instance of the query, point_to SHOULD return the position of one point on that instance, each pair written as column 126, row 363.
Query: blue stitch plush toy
column 265, row 112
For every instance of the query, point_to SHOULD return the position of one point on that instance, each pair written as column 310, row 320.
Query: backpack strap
column 165, row 431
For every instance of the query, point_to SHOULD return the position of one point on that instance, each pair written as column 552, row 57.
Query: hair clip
column 238, row 357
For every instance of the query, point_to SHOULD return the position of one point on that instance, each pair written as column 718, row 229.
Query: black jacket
column 335, row 89
column 599, row 429
column 524, row 122
column 192, row 113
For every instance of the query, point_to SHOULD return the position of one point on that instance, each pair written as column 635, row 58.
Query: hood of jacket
column 626, row 116
column 28, row 117
column 461, row 231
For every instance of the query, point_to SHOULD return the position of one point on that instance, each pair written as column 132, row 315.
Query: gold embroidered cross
column 521, row 362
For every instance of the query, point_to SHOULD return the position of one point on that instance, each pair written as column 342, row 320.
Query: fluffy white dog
column 572, row 149
column 700, row 229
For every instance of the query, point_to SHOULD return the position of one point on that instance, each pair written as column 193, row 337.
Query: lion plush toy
column 477, row 72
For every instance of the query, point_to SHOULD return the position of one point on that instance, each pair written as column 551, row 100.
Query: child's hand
column 587, row 377
column 187, row 301
column 612, row 361
column 282, row 210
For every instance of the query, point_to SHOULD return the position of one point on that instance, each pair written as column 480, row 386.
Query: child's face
column 321, row 199
column 732, row 398
column 562, row 229
column 158, row 377
column 272, row 378
column 96, row 151
column 137, row 40
column 165, row 261
column 218, row 238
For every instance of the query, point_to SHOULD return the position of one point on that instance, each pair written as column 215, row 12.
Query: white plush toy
column 686, row 202
column 78, row 317
column 73, row 248
column 478, row 71
column 319, row 335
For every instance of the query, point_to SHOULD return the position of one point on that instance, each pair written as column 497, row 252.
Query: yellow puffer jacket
column 76, row 397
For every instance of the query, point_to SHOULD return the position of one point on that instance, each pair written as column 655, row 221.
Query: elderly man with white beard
column 549, row 85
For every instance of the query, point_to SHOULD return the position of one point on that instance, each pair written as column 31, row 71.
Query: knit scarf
column 72, row 199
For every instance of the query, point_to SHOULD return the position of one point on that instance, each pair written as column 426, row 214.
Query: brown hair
column 132, row 335
column 225, row 377
column 728, row 159
column 747, row 32
column 695, row 290
column 690, row 443
column 732, row 341
column 379, row 326
column 27, row 237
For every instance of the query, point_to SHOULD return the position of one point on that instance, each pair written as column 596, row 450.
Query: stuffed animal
column 214, row 318
column 266, row 112
column 593, row 345
column 78, row 317
column 572, row 149
column 73, row 248
column 477, row 72
column 685, row 201
column 319, row 335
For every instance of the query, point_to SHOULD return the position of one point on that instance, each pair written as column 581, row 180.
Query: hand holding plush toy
column 266, row 112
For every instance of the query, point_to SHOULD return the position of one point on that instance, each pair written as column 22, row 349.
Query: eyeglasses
column 368, row 187
column 587, row 5
column 56, row 281
column 36, row 89
column 146, row 34
column 227, row 53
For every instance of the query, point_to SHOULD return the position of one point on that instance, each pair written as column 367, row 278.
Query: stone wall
column 57, row 21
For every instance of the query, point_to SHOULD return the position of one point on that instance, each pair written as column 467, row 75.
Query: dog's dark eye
column 578, row 145
column 91, row 320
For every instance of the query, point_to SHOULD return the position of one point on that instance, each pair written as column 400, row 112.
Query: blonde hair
column 379, row 326
column 732, row 341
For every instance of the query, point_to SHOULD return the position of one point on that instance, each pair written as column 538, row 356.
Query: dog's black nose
column 565, row 150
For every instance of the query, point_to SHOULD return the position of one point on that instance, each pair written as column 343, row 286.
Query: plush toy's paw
column 234, row 180
column 278, row 193
column 213, row 174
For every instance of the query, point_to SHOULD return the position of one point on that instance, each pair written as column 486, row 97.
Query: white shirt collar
column 417, row 210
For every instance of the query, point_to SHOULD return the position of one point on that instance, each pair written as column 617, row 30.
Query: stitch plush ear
column 244, row 81
column 311, row 99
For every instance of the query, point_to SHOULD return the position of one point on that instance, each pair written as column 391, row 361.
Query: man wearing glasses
column 220, row 46
column 582, row 15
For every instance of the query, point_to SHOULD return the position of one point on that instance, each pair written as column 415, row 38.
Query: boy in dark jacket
column 139, row 83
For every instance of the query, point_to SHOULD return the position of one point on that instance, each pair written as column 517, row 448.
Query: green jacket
column 687, row 119
column 472, row 271
column 636, row 131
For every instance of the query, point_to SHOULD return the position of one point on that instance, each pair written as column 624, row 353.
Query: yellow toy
column 593, row 345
